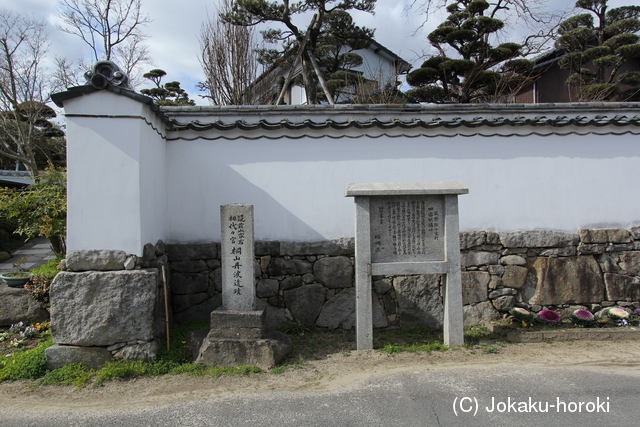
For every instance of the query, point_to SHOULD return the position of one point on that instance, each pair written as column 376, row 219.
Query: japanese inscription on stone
column 407, row 228
column 238, row 290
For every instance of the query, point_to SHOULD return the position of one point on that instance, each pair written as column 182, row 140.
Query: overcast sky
column 174, row 31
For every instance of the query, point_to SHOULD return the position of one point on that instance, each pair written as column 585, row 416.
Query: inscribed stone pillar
column 237, row 254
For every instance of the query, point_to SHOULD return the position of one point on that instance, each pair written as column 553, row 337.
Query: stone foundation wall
column 314, row 281
column 107, row 304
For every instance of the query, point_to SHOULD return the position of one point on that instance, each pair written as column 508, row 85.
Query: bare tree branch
column 228, row 59
column 23, row 119
column 113, row 29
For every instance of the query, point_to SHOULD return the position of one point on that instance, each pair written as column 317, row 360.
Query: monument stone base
column 238, row 338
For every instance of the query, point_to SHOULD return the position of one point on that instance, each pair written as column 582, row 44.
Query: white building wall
column 116, row 185
column 153, row 180
column 129, row 186
column 377, row 68
column 297, row 186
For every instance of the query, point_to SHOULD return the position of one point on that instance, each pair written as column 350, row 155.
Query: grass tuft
column 26, row 365
column 121, row 370
column 75, row 374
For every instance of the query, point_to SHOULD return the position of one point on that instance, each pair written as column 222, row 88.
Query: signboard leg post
column 453, row 330
column 364, row 317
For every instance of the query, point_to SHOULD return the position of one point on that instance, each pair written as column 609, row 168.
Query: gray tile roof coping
column 471, row 115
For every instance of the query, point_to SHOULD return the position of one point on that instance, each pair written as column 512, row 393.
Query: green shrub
column 41, row 208
column 40, row 282
column 121, row 370
column 189, row 368
column 49, row 269
column 162, row 367
column 76, row 374
column 26, row 365
column 216, row 371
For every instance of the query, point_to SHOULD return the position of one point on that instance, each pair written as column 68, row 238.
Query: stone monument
column 237, row 335
column 407, row 228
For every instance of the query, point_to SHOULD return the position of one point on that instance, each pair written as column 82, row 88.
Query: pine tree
column 253, row 12
column 479, row 72
column 597, row 45
column 170, row 93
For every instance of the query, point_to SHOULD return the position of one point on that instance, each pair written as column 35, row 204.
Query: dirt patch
column 338, row 370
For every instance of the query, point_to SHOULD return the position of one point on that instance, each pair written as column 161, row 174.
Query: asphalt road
column 465, row 395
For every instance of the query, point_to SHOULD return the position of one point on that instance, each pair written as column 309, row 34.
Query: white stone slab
column 404, row 188
column 237, row 254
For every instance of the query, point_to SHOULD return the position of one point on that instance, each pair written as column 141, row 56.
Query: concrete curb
column 600, row 334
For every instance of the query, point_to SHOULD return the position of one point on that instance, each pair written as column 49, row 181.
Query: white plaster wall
column 128, row 186
column 109, row 204
column 153, row 181
column 297, row 186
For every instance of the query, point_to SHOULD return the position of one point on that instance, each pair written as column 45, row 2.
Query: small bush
column 188, row 368
column 216, row 371
column 26, row 365
column 122, row 370
column 76, row 374
column 162, row 367
column 40, row 282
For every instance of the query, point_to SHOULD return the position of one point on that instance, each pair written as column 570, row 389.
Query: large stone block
column 305, row 302
column 513, row 260
column 630, row 263
column 267, row 288
column 554, row 252
column 334, row 272
column 335, row 247
column 605, row 235
column 144, row 351
column 290, row 282
column 382, row 286
column 514, row 276
column 504, row 303
column 96, row 260
column 199, row 312
column 263, row 353
column 622, row 288
column 189, row 283
column 475, row 286
column 634, row 231
column 479, row 313
column 267, row 247
column 471, row 239
column 192, row 266
column 181, row 303
column 288, row 267
column 537, row 239
column 419, row 301
column 61, row 355
column 609, row 265
column 471, row 259
column 225, row 319
column 103, row 308
column 340, row 311
column 564, row 280
column 192, row 251
column 591, row 248
column 275, row 318
column 17, row 305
